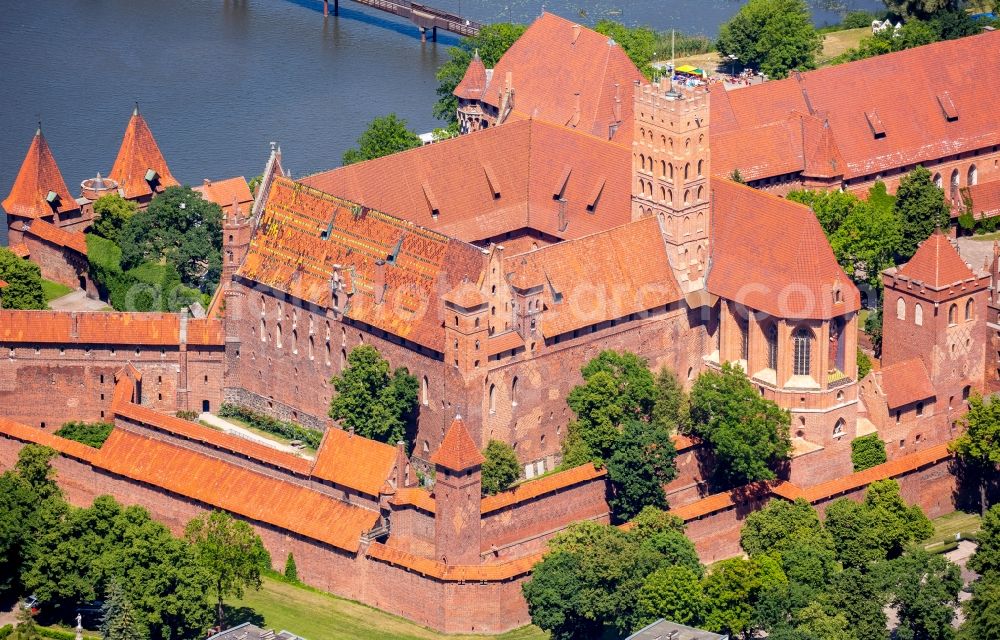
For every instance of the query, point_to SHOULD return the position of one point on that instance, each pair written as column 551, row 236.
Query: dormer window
column 151, row 175
column 52, row 198
column 875, row 123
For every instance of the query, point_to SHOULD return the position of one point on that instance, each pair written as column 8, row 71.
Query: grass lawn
column 946, row 526
column 837, row 42
column 265, row 434
column 53, row 290
column 986, row 237
column 320, row 616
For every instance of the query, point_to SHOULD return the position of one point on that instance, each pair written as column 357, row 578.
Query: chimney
column 74, row 330
column 401, row 464
column 508, row 80
column 379, row 283
column 576, row 32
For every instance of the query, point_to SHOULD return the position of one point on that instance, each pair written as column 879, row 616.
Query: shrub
column 291, row 572
column 867, row 452
column 92, row 434
column 56, row 634
column 500, row 469
column 6, row 630
column 281, row 428
column 864, row 364
column 190, row 416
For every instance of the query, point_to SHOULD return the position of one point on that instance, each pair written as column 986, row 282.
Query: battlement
column 676, row 99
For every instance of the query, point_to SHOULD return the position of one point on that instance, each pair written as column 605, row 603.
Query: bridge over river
column 427, row 19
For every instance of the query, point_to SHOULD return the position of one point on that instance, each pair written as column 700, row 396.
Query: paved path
column 77, row 301
column 241, row 432
column 959, row 556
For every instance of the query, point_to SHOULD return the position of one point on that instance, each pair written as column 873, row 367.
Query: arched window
column 493, row 398
column 642, row 161
column 687, row 196
column 423, row 392
column 937, row 180
column 295, row 340
column 671, row 171
column 802, row 343
column 277, row 335
column 312, row 345
column 328, row 360
column 663, row 168
column 513, row 392
column 343, row 358
column 701, row 219
column 263, row 330
column 970, row 310
column 900, row 309
column 663, row 194
column 743, row 321
column 687, row 170
column 838, row 429
column 954, row 182
column 918, row 315
column 973, row 176
column 701, row 193
column 700, row 165
column 650, row 164
column 953, row 314
column 772, row 346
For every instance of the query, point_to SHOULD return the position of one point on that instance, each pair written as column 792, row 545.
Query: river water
column 218, row 79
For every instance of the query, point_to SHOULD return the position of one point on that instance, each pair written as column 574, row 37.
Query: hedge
column 56, row 634
column 288, row 430
column 6, row 630
column 92, row 434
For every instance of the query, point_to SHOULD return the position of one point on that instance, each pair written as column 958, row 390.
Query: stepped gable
column 354, row 462
column 598, row 277
column 928, row 101
column 138, row 155
column 458, row 451
column 224, row 485
column 488, row 183
column 473, row 84
column 554, row 60
column 906, row 382
column 936, row 264
column 771, row 255
column 304, row 233
column 39, row 175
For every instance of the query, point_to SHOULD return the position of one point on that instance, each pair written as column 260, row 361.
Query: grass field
column 309, row 451
column 837, row 42
column 53, row 290
column 320, row 616
column 946, row 526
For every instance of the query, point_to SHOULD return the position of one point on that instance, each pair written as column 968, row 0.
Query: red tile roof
column 906, row 92
column 495, row 181
column 771, row 255
column 458, row 451
column 115, row 328
column 906, row 382
column 2, row 284
column 503, row 342
column 415, row 496
column 353, row 461
column 138, row 154
column 536, row 488
column 610, row 261
column 20, row 250
column 303, row 233
column 454, row 573
column 225, row 192
column 937, row 264
column 33, row 435
column 985, row 198
column 74, row 240
column 235, row 489
column 39, row 174
column 554, row 61
column 473, row 83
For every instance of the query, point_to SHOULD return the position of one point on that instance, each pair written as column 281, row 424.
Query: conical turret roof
column 138, row 156
column 38, row 178
column 458, row 451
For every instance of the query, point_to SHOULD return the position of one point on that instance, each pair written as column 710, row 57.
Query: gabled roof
column 303, row 233
column 770, row 254
column 39, row 175
column 58, row 236
column 473, row 83
column 936, row 264
column 458, row 451
column 225, row 192
column 629, row 264
column 138, row 155
column 353, row 461
column 527, row 174
column 552, row 62
column 927, row 102
column 113, row 328
column 906, row 382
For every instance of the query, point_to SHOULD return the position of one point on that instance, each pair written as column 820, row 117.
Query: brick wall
column 60, row 264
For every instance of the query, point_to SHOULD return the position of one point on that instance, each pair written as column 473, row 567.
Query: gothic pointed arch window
column 900, row 309
column 838, row 429
column 743, row 322
column 663, row 168
column 938, row 181
column 671, row 170
column 277, row 335
column 513, row 392
column 424, row 395
column 953, row 314
column 802, row 351
column 687, row 170
column 771, row 335
column 918, row 315
column 973, row 176
column 493, row 398
column 701, row 164
column 970, row 310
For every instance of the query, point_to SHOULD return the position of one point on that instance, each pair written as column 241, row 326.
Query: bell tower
column 670, row 169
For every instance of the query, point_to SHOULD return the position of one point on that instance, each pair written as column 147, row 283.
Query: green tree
column 986, row 559
column 491, row 43
column 873, row 327
column 815, row 622
column 674, row 593
column 638, row 43
column 111, row 213
column 920, row 8
column 748, row 434
column 369, row 400
column 24, row 282
column 230, row 552
column 384, row 136
column 732, row 591
column 793, row 531
column 92, row 434
column 979, row 445
column 500, row 468
column 26, row 628
column 864, row 364
column 118, row 618
column 291, row 571
column 921, row 208
column 982, row 611
column 831, row 207
column 671, row 405
column 867, row 242
column 180, row 228
column 925, row 594
column 862, row 598
column 867, row 452
column 737, row 177
column 773, row 36
column 642, row 463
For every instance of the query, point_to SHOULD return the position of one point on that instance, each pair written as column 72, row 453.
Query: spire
column 458, row 451
column 39, row 188
column 936, row 263
column 473, row 84
column 140, row 169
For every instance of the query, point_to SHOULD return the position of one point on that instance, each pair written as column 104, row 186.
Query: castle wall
column 60, row 264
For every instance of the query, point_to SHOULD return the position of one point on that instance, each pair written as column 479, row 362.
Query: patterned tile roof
column 556, row 65
column 985, row 198
column 353, row 461
column 906, row 382
column 114, row 328
column 138, row 154
column 232, row 488
column 771, row 255
column 304, row 233
column 527, row 174
column 599, row 277
column 74, row 240
column 473, row 83
column 937, row 264
column 458, row 451
column 927, row 102
column 39, row 175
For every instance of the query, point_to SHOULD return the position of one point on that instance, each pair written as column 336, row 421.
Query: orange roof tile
column 937, row 264
column 454, row 573
column 906, row 382
column 3, row 284
column 541, row 486
column 20, row 250
column 115, row 328
column 473, row 83
column 353, row 461
column 225, row 192
column 139, row 154
column 74, row 240
column 683, row 442
column 235, row 489
column 503, row 342
column 466, row 295
column 39, row 175
column 985, row 198
column 417, row 497
column 206, row 332
column 33, row 435
column 458, row 451
column 570, row 271
column 556, row 64
column 771, row 255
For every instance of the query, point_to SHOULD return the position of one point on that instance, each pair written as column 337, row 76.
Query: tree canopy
column 24, row 282
column 642, row 463
column 111, row 213
column 921, row 208
column 979, row 445
column 375, row 403
column 500, row 468
column 772, row 36
column 119, row 620
column 638, row 43
column 384, row 136
column 867, row 451
column 922, row 9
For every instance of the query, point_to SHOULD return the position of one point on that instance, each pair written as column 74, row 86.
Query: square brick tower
column 670, row 170
column 458, row 493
